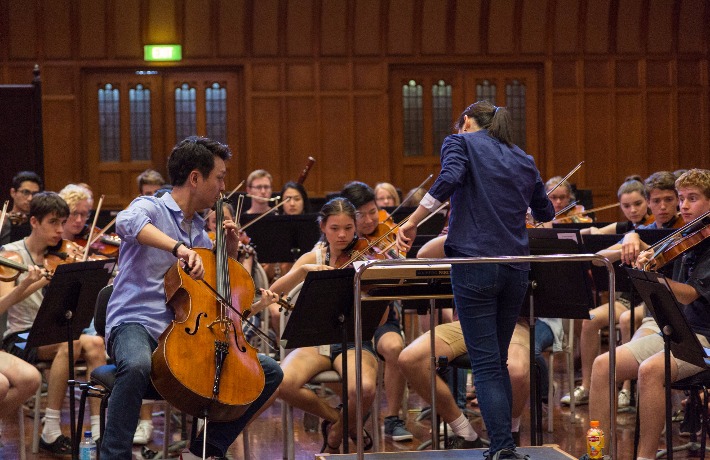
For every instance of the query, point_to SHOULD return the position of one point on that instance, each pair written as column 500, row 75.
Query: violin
column 203, row 364
column 359, row 249
column 670, row 248
column 575, row 215
column 11, row 265
column 17, row 217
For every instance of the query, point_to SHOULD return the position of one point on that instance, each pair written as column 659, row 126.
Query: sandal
column 325, row 430
column 366, row 439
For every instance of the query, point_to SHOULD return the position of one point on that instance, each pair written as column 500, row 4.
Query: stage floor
column 536, row 453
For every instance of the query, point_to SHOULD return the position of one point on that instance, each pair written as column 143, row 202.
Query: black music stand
column 323, row 315
column 677, row 335
column 546, row 299
column 283, row 238
column 69, row 301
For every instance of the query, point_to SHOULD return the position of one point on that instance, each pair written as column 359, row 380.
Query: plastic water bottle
column 595, row 440
column 87, row 447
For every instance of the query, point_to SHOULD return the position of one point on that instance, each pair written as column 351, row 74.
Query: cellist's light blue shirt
column 139, row 293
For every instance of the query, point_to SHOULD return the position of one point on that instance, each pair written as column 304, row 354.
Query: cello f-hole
column 197, row 324
column 241, row 348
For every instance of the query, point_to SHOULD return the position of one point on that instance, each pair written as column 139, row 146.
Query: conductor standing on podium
column 491, row 184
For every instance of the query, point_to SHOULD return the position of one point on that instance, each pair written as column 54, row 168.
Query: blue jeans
column 488, row 299
column 131, row 346
column 543, row 338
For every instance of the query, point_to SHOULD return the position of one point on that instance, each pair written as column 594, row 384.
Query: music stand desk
column 376, row 270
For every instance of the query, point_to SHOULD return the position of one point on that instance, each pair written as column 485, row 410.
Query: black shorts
column 336, row 349
column 16, row 344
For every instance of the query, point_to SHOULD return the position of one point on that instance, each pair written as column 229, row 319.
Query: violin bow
column 569, row 174
column 4, row 213
column 408, row 197
column 681, row 230
column 265, row 214
column 207, row 216
column 91, row 229
column 101, row 232
column 589, row 211
column 431, row 214
column 560, row 212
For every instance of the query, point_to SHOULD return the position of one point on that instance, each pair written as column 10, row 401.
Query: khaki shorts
column 647, row 346
column 452, row 335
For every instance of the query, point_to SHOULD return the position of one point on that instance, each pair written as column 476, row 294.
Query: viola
column 679, row 242
column 203, row 364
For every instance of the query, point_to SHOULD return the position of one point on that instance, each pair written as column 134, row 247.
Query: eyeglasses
column 261, row 187
column 75, row 214
column 27, row 192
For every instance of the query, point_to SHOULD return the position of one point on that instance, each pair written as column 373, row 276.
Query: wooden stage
column 550, row 452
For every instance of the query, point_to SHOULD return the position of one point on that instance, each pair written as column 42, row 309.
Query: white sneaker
column 581, row 396
column 144, row 433
column 624, row 399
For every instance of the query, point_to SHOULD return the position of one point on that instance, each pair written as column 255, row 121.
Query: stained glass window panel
column 515, row 103
column 185, row 112
column 109, row 123
column 486, row 91
column 139, row 101
column 216, row 112
column 441, row 119
column 412, row 103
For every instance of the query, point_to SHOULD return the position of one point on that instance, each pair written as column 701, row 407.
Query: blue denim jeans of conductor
column 131, row 346
column 488, row 299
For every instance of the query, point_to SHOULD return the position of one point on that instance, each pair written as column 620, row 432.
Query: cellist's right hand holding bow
column 192, row 261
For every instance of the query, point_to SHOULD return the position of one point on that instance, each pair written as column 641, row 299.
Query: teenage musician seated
column 25, row 185
column 644, row 358
column 259, row 186
column 634, row 205
column 48, row 216
column 561, row 198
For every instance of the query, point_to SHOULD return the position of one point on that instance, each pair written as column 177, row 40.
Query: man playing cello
column 155, row 234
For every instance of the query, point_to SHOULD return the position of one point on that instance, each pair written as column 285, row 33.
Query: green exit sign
column 162, row 53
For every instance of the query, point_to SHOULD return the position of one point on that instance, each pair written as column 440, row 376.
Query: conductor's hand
column 405, row 237
column 192, row 261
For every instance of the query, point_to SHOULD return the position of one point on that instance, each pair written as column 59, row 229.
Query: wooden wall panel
column 467, row 25
column 335, row 76
column 92, row 29
column 566, row 26
column 370, row 76
column 533, row 34
column 691, row 118
column 627, row 74
column 303, row 134
column 598, row 73
column 266, row 77
column 598, row 142
column 334, row 28
column 57, row 30
column 60, row 152
column 689, row 73
column 434, row 27
column 299, row 29
column 232, row 28
column 659, row 131
column 127, row 39
column 162, row 22
column 367, row 28
column 264, row 143
column 566, row 135
column 597, row 27
column 690, row 26
column 658, row 73
column 300, row 77
column 400, row 27
column 501, row 36
column 265, row 28
column 660, row 27
column 628, row 30
column 22, row 29
column 371, row 133
column 629, row 132
column 336, row 164
column 58, row 80
column 197, row 29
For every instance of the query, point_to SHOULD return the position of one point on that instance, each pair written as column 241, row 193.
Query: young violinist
column 660, row 193
column 388, row 337
column 483, row 172
column 562, row 197
column 337, row 223
column 386, row 195
column 48, row 215
column 634, row 205
column 156, row 233
column 25, row 185
column 259, row 187
column 644, row 358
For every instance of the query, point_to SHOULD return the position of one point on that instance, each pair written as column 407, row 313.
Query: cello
column 203, row 364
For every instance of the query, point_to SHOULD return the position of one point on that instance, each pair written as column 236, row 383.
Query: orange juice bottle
column 595, row 440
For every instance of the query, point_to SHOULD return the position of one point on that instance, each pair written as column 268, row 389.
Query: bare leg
column 18, row 382
column 652, row 402
column 589, row 340
column 390, row 346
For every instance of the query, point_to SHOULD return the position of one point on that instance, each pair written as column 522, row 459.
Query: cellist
column 155, row 233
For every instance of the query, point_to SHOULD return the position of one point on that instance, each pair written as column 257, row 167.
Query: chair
column 568, row 350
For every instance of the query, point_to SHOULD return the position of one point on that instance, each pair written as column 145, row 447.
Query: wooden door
column 133, row 119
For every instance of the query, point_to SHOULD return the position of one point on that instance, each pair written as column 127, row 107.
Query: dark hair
column 24, row 176
column 149, row 177
column 631, row 186
column 45, row 203
column 194, row 153
column 634, row 177
column 487, row 116
column 358, row 193
column 661, row 180
column 334, row 207
column 300, row 189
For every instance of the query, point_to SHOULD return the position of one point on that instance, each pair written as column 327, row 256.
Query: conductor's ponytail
column 487, row 116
